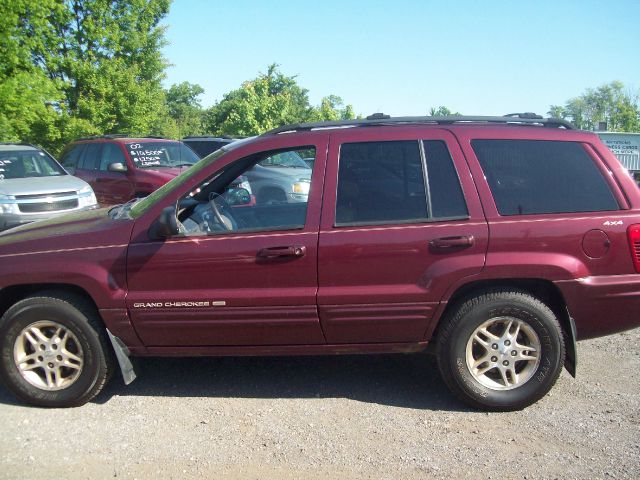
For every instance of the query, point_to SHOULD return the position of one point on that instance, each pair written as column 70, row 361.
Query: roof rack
column 377, row 119
column 110, row 135
column 223, row 137
column 117, row 135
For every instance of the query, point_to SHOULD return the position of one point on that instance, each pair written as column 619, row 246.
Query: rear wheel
column 54, row 350
column 501, row 350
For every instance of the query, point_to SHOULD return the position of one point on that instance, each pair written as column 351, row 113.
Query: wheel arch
column 14, row 293
column 544, row 290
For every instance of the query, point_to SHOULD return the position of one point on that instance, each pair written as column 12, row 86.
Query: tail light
column 633, row 233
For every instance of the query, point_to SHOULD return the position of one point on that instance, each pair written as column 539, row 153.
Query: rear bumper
column 603, row 305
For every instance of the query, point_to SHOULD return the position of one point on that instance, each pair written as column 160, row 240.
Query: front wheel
column 501, row 350
column 54, row 351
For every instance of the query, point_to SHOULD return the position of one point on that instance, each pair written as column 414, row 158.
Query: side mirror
column 117, row 167
column 166, row 225
column 237, row 196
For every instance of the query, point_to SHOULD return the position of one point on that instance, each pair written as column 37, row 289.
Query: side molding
column 122, row 354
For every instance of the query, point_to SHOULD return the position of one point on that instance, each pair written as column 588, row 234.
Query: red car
column 119, row 168
column 496, row 241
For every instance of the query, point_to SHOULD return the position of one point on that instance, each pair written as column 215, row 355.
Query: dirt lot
column 331, row 417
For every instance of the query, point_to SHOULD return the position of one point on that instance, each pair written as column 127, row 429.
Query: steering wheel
column 222, row 212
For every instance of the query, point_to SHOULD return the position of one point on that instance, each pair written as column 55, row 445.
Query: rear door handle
column 288, row 251
column 447, row 243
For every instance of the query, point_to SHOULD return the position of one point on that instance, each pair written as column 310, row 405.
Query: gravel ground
column 353, row 417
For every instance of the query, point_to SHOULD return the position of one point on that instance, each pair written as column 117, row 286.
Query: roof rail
column 382, row 119
column 117, row 135
column 110, row 135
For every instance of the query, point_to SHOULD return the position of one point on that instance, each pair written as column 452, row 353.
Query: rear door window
column 381, row 182
column 91, row 158
column 537, row 177
column 397, row 182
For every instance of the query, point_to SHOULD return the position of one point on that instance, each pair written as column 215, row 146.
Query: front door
column 401, row 224
column 242, row 271
column 112, row 188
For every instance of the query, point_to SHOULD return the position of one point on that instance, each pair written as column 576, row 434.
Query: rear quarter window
column 537, row 177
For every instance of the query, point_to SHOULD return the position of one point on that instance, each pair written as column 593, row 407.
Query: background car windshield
column 28, row 163
column 161, row 154
column 285, row 159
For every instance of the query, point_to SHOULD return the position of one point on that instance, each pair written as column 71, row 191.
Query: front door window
column 265, row 192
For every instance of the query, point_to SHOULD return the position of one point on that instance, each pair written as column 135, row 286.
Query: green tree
column 332, row 108
column 441, row 111
column 185, row 109
column 266, row 102
column 269, row 101
column 609, row 103
column 81, row 67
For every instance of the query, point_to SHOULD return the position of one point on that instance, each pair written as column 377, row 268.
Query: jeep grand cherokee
column 497, row 241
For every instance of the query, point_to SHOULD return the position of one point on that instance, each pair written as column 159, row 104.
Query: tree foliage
column 441, row 111
column 609, row 103
column 269, row 101
column 77, row 67
column 185, row 109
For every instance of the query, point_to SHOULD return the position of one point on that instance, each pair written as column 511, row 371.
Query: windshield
column 161, row 154
column 28, row 163
column 143, row 205
column 285, row 159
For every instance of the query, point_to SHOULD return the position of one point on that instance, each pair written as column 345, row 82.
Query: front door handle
column 448, row 243
column 288, row 251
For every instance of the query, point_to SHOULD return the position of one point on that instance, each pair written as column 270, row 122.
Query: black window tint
column 532, row 176
column 70, row 157
column 380, row 182
column 445, row 192
column 111, row 153
column 91, row 157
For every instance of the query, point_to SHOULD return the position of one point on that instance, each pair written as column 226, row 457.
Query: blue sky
column 402, row 57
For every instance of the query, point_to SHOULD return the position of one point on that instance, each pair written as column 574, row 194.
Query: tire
column 54, row 351
column 500, row 350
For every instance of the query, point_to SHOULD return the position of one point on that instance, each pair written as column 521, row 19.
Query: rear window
column 536, row 177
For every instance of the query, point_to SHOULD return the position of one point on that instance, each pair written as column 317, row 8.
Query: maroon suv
column 499, row 241
column 120, row 168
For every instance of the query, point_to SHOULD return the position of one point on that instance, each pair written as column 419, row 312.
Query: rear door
column 401, row 223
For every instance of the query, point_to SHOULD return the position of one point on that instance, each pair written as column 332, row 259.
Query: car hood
column 73, row 231
column 41, row 185
column 297, row 173
column 165, row 174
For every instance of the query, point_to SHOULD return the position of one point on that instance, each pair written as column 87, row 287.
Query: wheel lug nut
column 494, row 346
column 54, row 346
column 507, row 343
column 59, row 358
column 513, row 353
column 40, row 359
column 505, row 363
column 50, row 365
column 494, row 359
